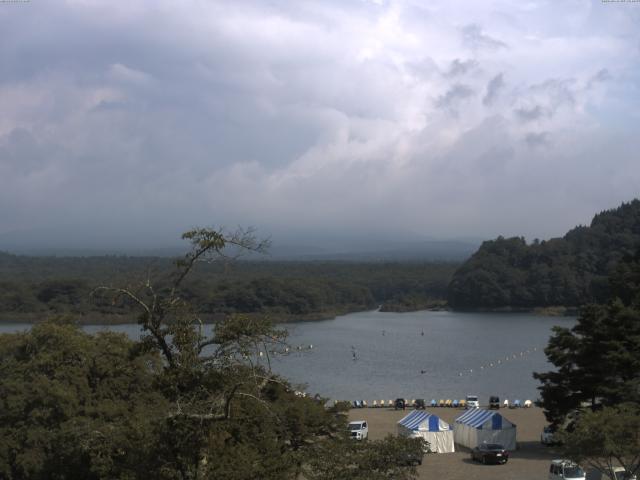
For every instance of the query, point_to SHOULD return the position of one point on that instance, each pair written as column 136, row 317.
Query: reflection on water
column 375, row 355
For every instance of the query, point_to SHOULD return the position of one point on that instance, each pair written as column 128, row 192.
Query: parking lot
column 530, row 461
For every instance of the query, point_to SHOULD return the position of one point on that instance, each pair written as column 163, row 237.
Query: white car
column 358, row 430
column 565, row 470
column 619, row 474
column 472, row 401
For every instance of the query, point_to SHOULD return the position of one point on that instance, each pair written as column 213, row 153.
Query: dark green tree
column 598, row 360
column 390, row 458
column 180, row 404
column 74, row 405
column 606, row 439
column 569, row 271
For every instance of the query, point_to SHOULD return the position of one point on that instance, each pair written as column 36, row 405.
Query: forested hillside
column 568, row 271
column 32, row 288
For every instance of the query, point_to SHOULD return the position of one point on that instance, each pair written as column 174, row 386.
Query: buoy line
column 498, row 362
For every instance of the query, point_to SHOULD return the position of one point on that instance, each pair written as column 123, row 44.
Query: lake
column 376, row 355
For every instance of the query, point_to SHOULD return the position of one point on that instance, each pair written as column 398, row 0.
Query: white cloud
column 402, row 114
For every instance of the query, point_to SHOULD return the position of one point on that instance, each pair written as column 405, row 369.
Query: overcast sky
column 399, row 118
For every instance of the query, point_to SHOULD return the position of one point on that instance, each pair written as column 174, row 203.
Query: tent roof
column 415, row 419
column 476, row 418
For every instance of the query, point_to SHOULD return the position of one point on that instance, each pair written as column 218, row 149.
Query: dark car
column 399, row 404
column 420, row 404
column 411, row 458
column 412, row 453
column 494, row 403
column 490, row 453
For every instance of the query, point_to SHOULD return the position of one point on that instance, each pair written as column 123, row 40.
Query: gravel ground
column 530, row 461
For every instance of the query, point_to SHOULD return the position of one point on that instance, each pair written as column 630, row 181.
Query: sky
column 134, row 121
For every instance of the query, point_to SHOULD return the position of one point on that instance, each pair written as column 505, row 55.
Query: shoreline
column 209, row 319
column 548, row 311
column 278, row 318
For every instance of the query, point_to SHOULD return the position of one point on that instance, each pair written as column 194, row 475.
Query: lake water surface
column 376, row 355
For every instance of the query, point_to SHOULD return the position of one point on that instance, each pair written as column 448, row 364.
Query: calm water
column 393, row 358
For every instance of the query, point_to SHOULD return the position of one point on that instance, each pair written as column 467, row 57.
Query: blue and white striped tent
column 430, row 427
column 475, row 427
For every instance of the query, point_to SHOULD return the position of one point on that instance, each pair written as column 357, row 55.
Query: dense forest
column 568, row 271
column 178, row 404
column 33, row 288
column 503, row 273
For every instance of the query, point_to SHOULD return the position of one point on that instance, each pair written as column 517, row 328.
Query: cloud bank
column 400, row 117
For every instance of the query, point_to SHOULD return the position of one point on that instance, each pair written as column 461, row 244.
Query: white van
column 358, row 430
column 472, row 401
column 565, row 470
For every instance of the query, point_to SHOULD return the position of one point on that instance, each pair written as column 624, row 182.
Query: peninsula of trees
column 34, row 288
column 569, row 271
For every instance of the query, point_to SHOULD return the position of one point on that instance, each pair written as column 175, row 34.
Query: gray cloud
column 545, row 99
column 601, row 76
column 21, row 153
column 537, row 139
column 495, row 85
column 454, row 95
column 530, row 114
column 459, row 67
column 328, row 116
column 475, row 38
column 558, row 91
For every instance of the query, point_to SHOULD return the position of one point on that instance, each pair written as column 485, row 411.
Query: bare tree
column 239, row 348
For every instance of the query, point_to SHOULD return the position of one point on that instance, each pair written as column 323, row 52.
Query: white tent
column 475, row 427
column 428, row 426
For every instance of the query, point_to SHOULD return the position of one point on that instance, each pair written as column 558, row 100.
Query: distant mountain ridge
column 568, row 271
column 425, row 250
column 428, row 250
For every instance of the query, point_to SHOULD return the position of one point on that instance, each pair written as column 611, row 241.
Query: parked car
column 358, row 430
column 494, row 403
column 412, row 457
column 619, row 474
column 548, row 436
column 622, row 474
column 490, row 453
column 472, row 401
column 420, row 404
column 565, row 470
column 400, row 403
